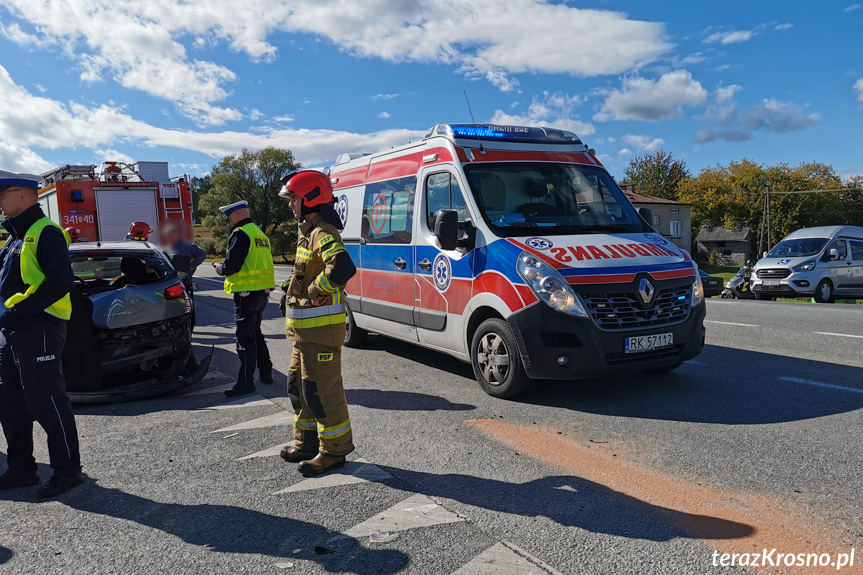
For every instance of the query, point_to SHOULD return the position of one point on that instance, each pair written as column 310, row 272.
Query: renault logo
column 646, row 291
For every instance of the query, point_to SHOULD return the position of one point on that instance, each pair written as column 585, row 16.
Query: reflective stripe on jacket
column 257, row 272
column 31, row 272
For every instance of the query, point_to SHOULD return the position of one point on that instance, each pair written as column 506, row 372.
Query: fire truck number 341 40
column 71, row 219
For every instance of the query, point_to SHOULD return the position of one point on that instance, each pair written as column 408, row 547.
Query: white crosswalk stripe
column 504, row 558
column 359, row 471
column 246, row 401
column 415, row 511
column 274, row 420
column 268, row 452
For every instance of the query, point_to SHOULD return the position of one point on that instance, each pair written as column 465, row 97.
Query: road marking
column 731, row 323
column 504, row 558
column 247, row 401
column 838, row 334
column 821, row 384
column 415, row 511
column 359, row 471
column 728, row 520
column 277, row 419
column 220, row 282
column 268, row 452
column 209, row 390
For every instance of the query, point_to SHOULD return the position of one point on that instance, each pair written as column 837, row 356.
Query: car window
column 388, row 211
column 857, row 250
column 123, row 269
column 841, row 247
column 443, row 193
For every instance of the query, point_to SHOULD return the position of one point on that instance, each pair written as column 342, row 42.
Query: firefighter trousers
column 321, row 421
column 32, row 388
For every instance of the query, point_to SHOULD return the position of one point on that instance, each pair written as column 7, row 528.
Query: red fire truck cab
column 103, row 203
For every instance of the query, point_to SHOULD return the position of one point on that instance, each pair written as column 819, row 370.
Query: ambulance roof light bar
column 494, row 132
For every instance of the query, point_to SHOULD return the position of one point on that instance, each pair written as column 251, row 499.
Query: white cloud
column 384, row 115
column 624, row 152
column 652, row 100
column 853, row 7
column 780, row 117
column 385, row 96
column 786, row 26
column 110, row 155
column 284, row 119
column 643, row 143
column 858, row 87
column 553, row 109
column 707, row 135
column 723, row 110
column 38, row 122
column 730, row 37
column 143, row 47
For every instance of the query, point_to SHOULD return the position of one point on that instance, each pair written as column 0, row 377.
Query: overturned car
column 130, row 336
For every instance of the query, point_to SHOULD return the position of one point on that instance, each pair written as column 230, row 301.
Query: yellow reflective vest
column 31, row 273
column 257, row 272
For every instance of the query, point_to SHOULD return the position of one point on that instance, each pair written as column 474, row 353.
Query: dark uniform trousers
column 32, row 388
column 251, row 345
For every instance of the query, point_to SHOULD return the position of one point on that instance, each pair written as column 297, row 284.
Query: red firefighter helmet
column 312, row 186
column 74, row 233
column 140, row 230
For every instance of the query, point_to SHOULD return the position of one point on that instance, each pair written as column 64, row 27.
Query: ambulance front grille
column 620, row 311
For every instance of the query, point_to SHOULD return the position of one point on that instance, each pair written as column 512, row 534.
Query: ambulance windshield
column 558, row 198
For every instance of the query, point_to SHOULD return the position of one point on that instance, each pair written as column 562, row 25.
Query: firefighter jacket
column 322, row 267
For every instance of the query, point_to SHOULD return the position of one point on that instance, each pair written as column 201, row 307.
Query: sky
column 85, row 81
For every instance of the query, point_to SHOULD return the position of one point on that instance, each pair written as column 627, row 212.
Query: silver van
column 824, row 263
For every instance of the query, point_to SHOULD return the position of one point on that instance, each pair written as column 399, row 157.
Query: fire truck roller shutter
column 116, row 209
column 52, row 210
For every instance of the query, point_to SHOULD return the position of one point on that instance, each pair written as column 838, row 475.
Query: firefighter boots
column 321, row 464
column 294, row 455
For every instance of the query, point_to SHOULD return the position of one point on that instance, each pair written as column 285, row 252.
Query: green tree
column 656, row 174
column 254, row 176
column 199, row 186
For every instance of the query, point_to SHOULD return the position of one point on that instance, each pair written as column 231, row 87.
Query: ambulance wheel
column 496, row 362
column 824, row 292
column 354, row 336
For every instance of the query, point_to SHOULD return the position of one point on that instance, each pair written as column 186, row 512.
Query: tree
column 199, row 186
column 254, row 176
column 656, row 174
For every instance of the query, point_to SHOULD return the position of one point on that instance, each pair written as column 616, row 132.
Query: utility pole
column 764, row 237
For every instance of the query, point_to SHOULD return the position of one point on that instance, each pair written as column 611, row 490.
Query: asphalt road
column 754, row 444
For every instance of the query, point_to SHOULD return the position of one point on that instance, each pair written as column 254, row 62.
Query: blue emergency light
column 494, row 132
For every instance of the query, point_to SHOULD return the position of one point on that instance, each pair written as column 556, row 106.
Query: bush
column 714, row 258
column 214, row 248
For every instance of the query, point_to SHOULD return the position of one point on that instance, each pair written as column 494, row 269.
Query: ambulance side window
column 388, row 211
column 443, row 193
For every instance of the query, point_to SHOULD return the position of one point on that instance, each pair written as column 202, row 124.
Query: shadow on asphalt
column 5, row 555
column 229, row 529
column 402, row 400
column 574, row 502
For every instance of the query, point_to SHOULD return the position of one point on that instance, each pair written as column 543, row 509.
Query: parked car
column 713, row 286
column 130, row 336
column 823, row 263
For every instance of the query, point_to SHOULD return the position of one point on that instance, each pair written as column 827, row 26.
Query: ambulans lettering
column 610, row 251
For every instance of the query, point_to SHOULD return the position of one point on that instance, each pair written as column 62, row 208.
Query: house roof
column 740, row 233
column 637, row 198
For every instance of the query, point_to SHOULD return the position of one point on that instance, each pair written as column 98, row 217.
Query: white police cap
column 17, row 179
column 229, row 209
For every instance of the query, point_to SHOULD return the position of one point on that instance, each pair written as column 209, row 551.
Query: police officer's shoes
column 266, row 377
column 12, row 479
column 322, row 463
column 294, row 455
column 240, row 389
column 59, row 484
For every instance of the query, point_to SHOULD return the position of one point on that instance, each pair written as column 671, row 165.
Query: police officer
column 249, row 277
column 35, row 280
column 315, row 314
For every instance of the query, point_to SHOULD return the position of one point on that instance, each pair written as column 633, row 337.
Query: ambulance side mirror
column 647, row 215
column 446, row 229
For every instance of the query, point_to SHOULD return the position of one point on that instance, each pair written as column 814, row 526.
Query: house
column 670, row 218
column 735, row 246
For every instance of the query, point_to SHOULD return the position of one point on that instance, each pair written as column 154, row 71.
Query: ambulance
column 512, row 248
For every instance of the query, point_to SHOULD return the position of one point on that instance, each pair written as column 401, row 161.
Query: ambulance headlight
column 697, row 290
column 549, row 286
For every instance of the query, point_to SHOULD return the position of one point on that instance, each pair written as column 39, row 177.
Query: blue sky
column 189, row 82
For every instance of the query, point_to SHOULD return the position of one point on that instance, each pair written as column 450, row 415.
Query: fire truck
column 102, row 203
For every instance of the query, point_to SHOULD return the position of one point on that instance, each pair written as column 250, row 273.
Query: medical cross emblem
column 442, row 272
column 342, row 210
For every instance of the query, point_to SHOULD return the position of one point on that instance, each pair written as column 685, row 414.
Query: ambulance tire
column 492, row 341
column 354, row 336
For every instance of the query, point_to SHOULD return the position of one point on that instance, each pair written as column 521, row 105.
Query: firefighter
column 249, row 277
column 315, row 314
column 139, row 232
column 35, row 280
column 75, row 235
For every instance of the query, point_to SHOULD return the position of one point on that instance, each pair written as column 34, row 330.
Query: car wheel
column 824, row 292
column 496, row 362
column 761, row 297
column 667, row 369
column 354, row 336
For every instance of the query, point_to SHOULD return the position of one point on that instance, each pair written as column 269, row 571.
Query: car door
column 387, row 255
column 840, row 266
column 444, row 278
column 855, row 281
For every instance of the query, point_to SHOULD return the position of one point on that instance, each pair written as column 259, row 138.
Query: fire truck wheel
column 354, row 336
column 496, row 361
